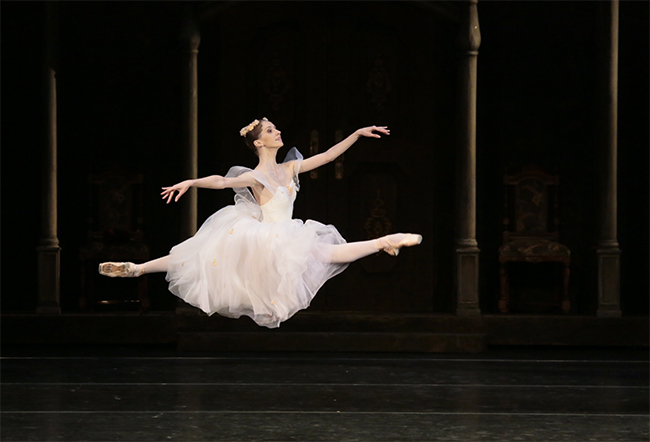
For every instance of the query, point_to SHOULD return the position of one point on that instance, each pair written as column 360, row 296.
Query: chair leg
column 83, row 302
column 503, row 301
column 143, row 296
column 566, row 302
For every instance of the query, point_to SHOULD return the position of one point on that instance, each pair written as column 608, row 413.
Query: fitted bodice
column 280, row 206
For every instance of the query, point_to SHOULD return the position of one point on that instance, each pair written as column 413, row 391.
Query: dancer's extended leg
column 343, row 253
column 130, row 270
column 349, row 252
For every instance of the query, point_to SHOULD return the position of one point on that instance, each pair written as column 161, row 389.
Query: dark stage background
column 119, row 81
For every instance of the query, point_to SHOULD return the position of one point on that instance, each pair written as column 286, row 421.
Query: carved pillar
column 48, row 249
column 189, row 202
column 192, row 38
column 467, row 251
column 608, row 253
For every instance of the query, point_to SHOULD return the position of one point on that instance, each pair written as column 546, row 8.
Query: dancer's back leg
column 131, row 270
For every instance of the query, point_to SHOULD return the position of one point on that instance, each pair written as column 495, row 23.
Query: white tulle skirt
column 236, row 265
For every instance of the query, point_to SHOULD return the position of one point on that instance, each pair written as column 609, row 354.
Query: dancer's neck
column 267, row 158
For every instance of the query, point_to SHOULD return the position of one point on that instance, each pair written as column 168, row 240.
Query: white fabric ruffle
column 252, row 261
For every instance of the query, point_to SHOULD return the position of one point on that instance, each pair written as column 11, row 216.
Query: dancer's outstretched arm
column 335, row 151
column 210, row 182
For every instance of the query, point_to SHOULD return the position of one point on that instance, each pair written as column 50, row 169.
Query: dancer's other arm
column 210, row 182
column 335, row 151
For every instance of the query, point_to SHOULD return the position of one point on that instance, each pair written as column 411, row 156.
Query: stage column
column 608, row 252
column 48, row 250
column 467, row 251
column 189, row 203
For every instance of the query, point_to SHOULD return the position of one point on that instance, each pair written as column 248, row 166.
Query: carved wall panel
column 275, row 68
column 379, row 85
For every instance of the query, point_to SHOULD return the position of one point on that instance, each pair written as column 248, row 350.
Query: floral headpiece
column 250, row 127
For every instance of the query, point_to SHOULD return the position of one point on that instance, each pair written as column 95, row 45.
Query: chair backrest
column 530, row 205
column 115, row 202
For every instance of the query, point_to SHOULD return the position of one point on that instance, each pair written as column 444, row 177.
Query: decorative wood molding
column 377, row 224
column 276, row 84
column 379, row 84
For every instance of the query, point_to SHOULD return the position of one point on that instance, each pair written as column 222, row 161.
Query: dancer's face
column 269, row 136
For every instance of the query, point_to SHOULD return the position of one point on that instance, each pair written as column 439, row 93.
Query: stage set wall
column 120, row 75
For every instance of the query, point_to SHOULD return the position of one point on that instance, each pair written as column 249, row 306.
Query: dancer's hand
column 181, row 188
column 370, row 131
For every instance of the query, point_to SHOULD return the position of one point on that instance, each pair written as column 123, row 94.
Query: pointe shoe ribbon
column 119, row 269
column 409, row 240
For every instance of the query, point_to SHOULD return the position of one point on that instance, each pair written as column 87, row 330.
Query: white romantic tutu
column 255, row 261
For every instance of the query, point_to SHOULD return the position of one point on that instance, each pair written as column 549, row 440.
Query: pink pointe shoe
column 119, row 269
column 391, row 245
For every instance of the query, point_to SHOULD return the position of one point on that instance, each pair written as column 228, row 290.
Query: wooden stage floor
column 155, row 393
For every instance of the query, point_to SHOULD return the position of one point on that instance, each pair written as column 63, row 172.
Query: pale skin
column 268, row 143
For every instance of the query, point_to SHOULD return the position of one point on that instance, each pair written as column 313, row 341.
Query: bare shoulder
column 290, row 167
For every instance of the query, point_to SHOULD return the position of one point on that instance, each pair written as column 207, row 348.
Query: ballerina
column 252, row 258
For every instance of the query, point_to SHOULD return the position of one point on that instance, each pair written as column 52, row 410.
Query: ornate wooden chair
column 114, row 234
column 531, row 228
